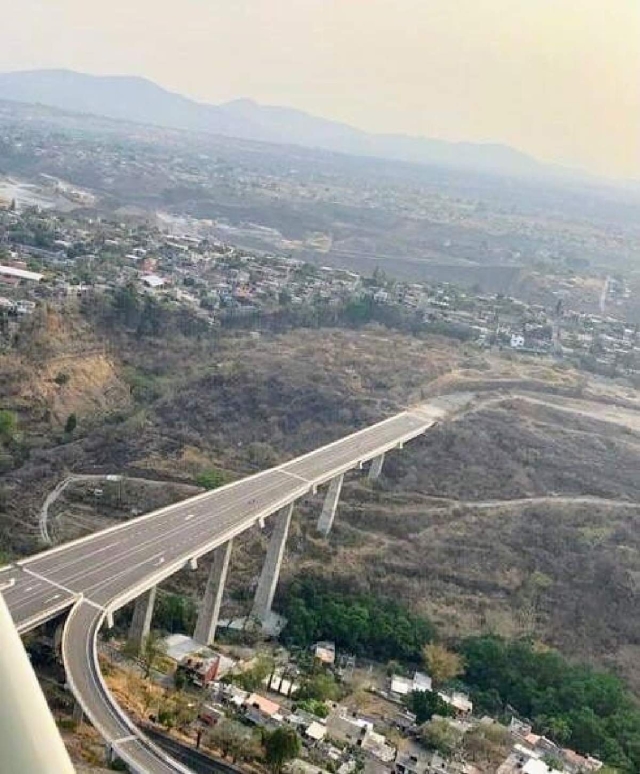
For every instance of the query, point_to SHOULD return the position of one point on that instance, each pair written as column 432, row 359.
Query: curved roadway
column 100, row 573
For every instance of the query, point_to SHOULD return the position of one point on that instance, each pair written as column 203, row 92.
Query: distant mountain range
column 139, row 100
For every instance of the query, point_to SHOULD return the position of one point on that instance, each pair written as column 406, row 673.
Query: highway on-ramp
column 100, row 573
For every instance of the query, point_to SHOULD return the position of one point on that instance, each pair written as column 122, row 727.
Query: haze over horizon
column 555, row 79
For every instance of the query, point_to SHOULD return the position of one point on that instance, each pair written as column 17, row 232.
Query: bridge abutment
column 325, row 522
column 207, row 623
column 271, row 568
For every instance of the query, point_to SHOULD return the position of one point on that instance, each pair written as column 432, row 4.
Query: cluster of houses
column 217, row 280
column 13, row 306
column 387, row 742
column 532, row 753
column 403, row 686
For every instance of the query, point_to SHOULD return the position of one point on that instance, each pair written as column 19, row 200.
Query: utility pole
column 30, row 742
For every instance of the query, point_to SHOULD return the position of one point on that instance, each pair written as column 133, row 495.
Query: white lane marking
column 50, row 582
column 90, row 602
column 130, row 738
column 295, row 475
column 159, row 562
column 81, row 559
column 91, row 586
column 55, row 596
column 100, row 586
column 84, row 574
column 189, row 517
column 160, row 539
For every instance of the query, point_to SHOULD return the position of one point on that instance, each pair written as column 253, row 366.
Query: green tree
column 8, row 425
column 557, row 728
column 553, row 762
column 179, row 680
column 426, row 704
column 321, row 687
column 71, row 424
column 315, row 707
column 254, row 677
column 362, row 624
column 126, row 306
column 174, row 613
column 233, row 740
column 167, row 714
column 211, row 479
column 186, row 710
column 280, row 746
column 61, row 378
column 438, row 734
column 152, row 650
column 576, row 706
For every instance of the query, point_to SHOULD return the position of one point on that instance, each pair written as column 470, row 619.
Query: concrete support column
column 376, row 467
column 271, row 568
column 207, row 623
column 142, row 614
column 77, row 715
column 327, row 516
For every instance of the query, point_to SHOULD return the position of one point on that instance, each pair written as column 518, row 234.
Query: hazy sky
column 557, row 78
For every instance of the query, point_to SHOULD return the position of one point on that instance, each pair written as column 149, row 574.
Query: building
column 538, row 767
column 199, row 671
column 278, row 682
column 325, row 652
column 351, row 730
column 413, row 761
column 316, row 731
column 11, row 274
column 376, row 745
column 402, row 686
column 262, row 711
column 153, row 281
column 460, row 702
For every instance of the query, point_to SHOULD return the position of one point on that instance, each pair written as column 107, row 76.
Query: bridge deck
column 103, row 571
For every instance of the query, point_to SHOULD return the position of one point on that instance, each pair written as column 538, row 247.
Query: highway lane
column 101, row 572
column 85, row 679
column 139, row 546
column 105, row 564
column 31, row 600
column 326, row 462
column 132, row 554
column 195, row 759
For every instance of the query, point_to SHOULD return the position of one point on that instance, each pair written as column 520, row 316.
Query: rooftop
column 11, row 271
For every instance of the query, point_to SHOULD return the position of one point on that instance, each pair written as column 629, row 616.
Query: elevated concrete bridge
column 98, row 574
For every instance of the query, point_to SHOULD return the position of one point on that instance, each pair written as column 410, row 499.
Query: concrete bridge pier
column 140, row 626
column 271, row 568
column 376, row 467
column 78, row 714
column 325, row 522
column 207, row 623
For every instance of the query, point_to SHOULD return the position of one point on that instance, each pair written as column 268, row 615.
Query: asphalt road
column 198, row 762
column 104, row 571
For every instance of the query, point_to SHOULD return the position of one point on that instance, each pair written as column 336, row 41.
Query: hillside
column 431, row 533
column 563, row 568
column 140, row 100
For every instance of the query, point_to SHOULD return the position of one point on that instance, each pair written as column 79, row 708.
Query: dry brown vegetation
column 172, row 408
